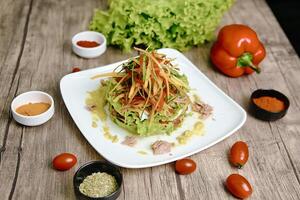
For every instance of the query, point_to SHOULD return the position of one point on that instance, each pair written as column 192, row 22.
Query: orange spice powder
column 32, row 109
column 270, row 104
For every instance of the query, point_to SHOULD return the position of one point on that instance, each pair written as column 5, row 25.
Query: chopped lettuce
column 160, row 23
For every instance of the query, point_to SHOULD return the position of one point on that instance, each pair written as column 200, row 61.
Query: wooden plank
column 41, row 68
column 274, row 158
column 288, row 65
column 44, row 62
column 273, row 168
column 13, row 28
column 282, row 74
column 13, row 18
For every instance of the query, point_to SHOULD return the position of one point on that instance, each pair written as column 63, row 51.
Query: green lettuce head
column 159, row 23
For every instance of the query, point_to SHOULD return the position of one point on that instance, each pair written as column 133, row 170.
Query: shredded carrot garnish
column 146, row 84
column 109, row 74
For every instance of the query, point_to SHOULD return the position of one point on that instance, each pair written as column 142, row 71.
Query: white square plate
column 228, row 117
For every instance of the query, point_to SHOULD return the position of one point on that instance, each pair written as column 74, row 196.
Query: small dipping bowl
column 94, row 167
column 265, row 115
column 32, row 97
column 86, row 52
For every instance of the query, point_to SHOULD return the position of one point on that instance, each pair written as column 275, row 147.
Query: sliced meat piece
column 130, row 141
column 203, row 109
column 91, row 107
column 182, row 100
column 177, row 121
column 161, row 147
column 103, row 82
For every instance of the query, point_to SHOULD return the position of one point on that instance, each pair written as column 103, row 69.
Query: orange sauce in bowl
column 32, row 109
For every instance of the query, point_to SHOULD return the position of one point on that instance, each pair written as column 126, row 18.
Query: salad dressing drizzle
column 108, row 135
column 198, row 130
column 95, row 102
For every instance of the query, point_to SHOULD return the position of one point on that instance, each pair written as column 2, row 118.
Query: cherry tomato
column 239, row 154
column 64, row 161
column 76, row 69
column 238, row 186
column 185, row 166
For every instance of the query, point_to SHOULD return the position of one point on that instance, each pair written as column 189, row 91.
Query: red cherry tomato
column 238, row 186
column 64, row 161
column 239, row 154
column 76, row 69
column 185, row 166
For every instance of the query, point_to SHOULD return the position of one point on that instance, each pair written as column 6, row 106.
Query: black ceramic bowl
column 264, row 114
column 94, row 167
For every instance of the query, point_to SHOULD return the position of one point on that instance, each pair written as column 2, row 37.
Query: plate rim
column 241, row 123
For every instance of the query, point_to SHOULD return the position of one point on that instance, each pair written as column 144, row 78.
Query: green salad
column 147, row 95
column 160, row 23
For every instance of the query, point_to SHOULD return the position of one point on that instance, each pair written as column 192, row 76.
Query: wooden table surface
column 35, row 54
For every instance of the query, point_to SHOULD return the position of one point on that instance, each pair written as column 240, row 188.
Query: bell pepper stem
column 245, row 60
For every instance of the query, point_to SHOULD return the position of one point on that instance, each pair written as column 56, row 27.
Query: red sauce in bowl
column 87, row 44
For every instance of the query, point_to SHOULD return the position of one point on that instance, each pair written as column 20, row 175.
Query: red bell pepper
column 237, row 51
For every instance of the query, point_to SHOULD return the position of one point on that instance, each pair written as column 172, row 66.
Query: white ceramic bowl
column 89, row 36
column 32, row 97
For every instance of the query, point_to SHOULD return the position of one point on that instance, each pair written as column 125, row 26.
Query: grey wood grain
column 13, row 28
column 288, row 66
column 12, row 32
column 47, row 57
column 39, row 54
column 272, row 168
